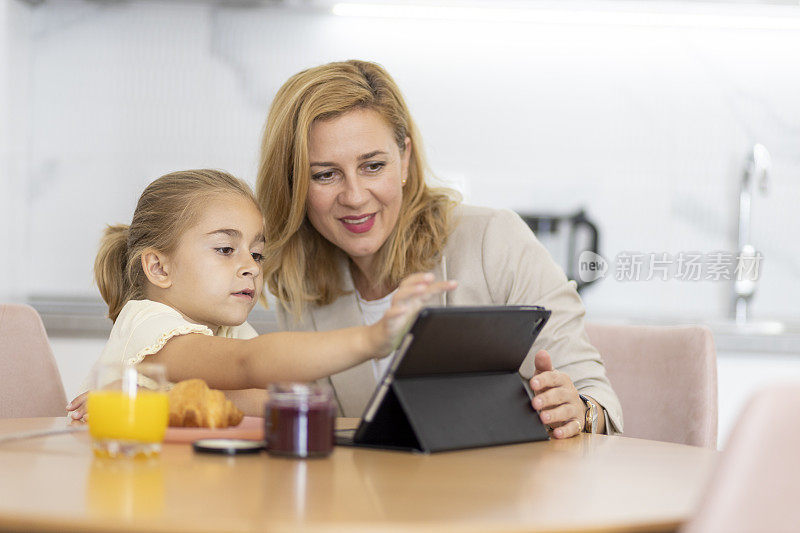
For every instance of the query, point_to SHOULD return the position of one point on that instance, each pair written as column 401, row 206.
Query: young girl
column 181, row 280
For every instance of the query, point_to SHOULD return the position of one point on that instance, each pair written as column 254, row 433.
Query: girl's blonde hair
column 166, row 209
column 300, row 265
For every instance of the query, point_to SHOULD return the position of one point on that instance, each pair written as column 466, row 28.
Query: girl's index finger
column 442, row 286
column 418, row 278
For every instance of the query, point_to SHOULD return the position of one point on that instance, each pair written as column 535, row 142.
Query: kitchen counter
column 762, row 336
column 84, row 317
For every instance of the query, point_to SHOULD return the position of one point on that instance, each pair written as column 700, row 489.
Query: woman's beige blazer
column 496, row 260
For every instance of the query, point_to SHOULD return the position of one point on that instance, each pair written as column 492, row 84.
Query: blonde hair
column 166, row 209
column 294, row 247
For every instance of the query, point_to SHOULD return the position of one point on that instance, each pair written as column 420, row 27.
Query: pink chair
column 757, row 481
column 666, row 380
column 30, row 384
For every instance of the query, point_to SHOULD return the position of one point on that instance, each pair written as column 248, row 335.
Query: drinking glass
column 128, row 410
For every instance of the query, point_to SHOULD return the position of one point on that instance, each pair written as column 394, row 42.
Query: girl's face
column 216, row 268
column 356, row 186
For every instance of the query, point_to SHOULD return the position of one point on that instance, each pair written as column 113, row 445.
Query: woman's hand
column 412, row 294
column 76, row 409
column 556, row 399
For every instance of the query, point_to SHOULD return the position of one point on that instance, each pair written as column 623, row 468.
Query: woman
column 341, row 179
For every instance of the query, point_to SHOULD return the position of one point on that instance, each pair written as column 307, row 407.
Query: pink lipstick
column 358, row 223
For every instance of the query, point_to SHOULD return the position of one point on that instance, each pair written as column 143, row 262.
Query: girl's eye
column 257, row 257
column 323, row 176
column 374, row 167
column 224, row 250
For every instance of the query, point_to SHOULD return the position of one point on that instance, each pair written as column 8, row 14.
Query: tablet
column 449, row 340
column 448, row 350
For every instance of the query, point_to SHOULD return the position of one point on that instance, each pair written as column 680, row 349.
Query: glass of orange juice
column 128, row 410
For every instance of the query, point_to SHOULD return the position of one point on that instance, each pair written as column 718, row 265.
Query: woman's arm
column 520, row 270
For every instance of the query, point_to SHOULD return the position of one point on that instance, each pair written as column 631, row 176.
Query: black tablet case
column 457, row 384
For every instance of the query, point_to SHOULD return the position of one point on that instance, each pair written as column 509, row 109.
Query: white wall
column 741, row 375
column 15, row 62
column 75, row 357
column 647, row 127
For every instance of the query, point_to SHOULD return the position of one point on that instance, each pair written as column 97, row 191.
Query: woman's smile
column 358, row 223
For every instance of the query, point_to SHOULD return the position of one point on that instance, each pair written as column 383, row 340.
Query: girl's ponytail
column 111, row 269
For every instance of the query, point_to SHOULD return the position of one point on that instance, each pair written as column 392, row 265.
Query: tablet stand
column 453, row 411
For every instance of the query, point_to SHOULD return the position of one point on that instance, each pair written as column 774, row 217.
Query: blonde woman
column 348, row 215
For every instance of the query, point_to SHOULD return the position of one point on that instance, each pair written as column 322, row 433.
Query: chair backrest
column 665, row 377
column 30, row 384
column 755, row 485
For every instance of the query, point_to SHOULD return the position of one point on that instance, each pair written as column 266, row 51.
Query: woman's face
column 357, row 178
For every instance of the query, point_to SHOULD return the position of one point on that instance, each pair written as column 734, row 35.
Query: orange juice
column 116, row 416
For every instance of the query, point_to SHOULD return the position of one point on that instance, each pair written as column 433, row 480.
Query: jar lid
column 294, row 393
column 227, row 446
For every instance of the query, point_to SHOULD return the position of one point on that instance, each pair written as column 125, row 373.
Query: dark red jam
column 300, row 422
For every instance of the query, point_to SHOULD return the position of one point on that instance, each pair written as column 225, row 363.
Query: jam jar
column 299, row 419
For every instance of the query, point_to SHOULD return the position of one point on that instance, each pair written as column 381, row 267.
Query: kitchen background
column 641, row 113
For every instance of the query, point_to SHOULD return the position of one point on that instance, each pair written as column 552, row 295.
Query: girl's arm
column 231, row 364
column 234, row 364
column 295, row 356
column 250, row 401
column 285, row 356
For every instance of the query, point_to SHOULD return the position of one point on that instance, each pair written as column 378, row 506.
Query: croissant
column 193, row 404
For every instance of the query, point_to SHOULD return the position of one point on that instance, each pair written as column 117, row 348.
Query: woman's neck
column 367, row 283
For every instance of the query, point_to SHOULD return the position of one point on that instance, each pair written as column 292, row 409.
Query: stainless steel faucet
column 744, row 286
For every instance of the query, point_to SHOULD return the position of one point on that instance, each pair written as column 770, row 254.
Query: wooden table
column 589, row 483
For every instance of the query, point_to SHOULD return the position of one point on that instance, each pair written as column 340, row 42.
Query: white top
column 143, row 327
column 373, row 311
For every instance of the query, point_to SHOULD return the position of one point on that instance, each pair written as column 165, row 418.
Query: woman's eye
column 225, row 250
column 375, row 167
column 323, row 176
column 257, row 257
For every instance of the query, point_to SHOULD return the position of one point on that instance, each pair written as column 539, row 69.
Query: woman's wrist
column 601, row 417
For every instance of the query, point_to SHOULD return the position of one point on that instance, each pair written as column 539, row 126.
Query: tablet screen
column 451, row 340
